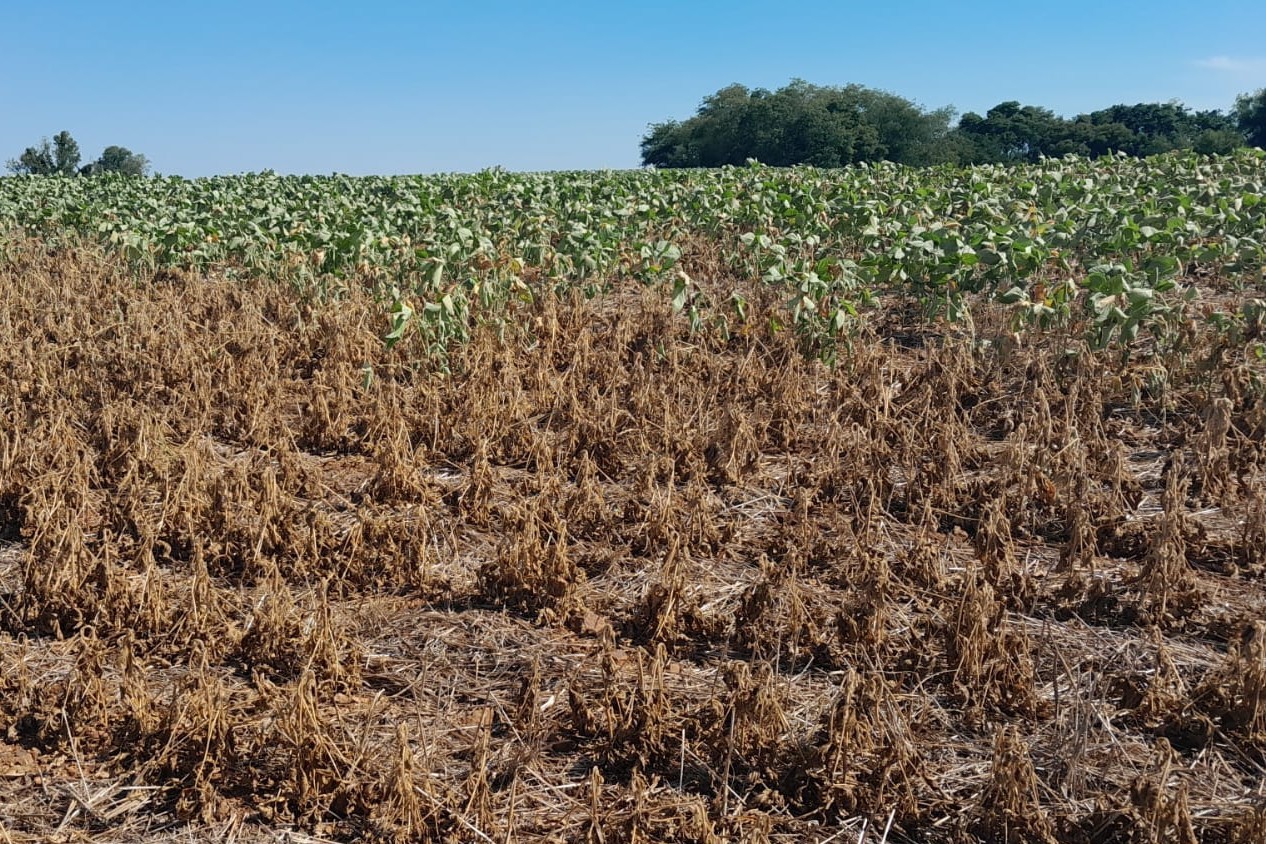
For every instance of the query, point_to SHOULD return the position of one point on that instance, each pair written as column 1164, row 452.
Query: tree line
column 833, row 126
column 62, row 156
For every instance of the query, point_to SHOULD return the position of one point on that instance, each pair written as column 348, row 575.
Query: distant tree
column 1250, row 116
column 802, row 123
column 1013, row 132
column 668, row 145
column 65, row 153
column 59, row 156
column 1218, row 141
column 37, row 161
column 1095, row 139
column 956, row 148
column 1151, row 128
column 907, row 133
column 116, row 159
column 798, row 124
column 718, row 126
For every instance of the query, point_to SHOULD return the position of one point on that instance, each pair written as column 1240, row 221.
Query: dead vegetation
column 608, row 580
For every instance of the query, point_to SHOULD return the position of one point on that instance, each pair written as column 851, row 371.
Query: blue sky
column 395, row 87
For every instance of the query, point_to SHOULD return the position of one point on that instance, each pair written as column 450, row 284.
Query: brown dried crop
column 605, row 578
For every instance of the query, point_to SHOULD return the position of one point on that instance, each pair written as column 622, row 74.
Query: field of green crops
column 1114, row 243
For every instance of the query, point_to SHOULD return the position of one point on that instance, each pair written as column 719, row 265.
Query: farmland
column 738, row 505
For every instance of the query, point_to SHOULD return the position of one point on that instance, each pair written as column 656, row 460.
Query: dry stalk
column 1161, row 811
column 757, row 724
column 1169, row 585
column 1009, row 810
column 863, row 623
column 1249, row 825
column 533, row 570
column 478, row 808
column 867, row 756
column 1082, row 544
column 586, row 507
column 663, row 608
column 776, row 620
column 735, row 451
column 994, row 546
column 1235, row 693
column 1252, row 545
column 1213, row 454
column 990, row 663
column 476, row 495
column 198, row 747
column 318, row 779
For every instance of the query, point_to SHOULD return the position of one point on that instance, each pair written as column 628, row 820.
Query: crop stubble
column 609, row 580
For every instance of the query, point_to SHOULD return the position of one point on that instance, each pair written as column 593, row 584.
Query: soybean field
column 754, row 504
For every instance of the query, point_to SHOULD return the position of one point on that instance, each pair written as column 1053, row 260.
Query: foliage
column 1151, row 128
column 59, row 157
column 1250, row 114
column 35, row 161
column 1014, row 132
column 65, row 153
column 116, row 159
column 1011, row 132
column 836, row 126
column 797, row 124
column 1112, row 244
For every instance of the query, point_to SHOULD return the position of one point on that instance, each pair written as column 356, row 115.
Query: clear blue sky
column 396, row 87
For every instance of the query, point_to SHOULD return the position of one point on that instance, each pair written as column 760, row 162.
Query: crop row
column 1114, row 242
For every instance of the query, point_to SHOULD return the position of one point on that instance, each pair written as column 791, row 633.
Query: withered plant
column 592, row 572
column 533, row 570
column 1161, row 810
column 988, row 661
column 1009, row 810
column 1167, row 581
column 1235, row 693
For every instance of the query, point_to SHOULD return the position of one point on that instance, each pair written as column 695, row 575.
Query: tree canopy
column 1250, row 116
column 810, row 124
column 47, row 159
column 1014, row 132
column 798, row 124
column 61, row 157
column 116, row 159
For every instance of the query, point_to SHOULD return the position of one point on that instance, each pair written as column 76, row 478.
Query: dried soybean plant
column 605, row 574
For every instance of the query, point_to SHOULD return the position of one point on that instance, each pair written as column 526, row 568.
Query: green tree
column 61, row 155
column 1218, row 141
column 65, row 153
column 907, row 133
column 116, row 159
column 37, row 161
column 1250, row 116
column 1013, row 132
column 719, row 129
column 799, row 123
column 1151, row 128
column 668, row 145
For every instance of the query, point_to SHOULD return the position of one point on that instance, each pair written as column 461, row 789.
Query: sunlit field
column 664, row 506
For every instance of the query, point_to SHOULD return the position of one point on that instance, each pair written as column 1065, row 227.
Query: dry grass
column 610, row 581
